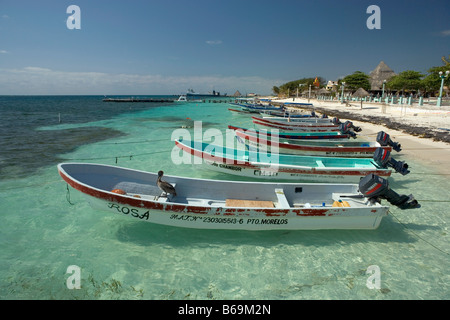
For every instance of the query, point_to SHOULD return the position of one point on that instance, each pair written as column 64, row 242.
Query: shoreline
column 423, row 122
column 417, row 129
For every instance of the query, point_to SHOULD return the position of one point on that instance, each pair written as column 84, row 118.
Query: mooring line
column 68, row 195
column 418, row 236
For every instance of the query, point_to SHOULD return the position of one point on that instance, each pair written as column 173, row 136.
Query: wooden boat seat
column 282, row 200
column 248, row 203
column 320, row 164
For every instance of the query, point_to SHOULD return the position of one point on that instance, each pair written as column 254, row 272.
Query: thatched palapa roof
column 323, row 91
column 360, row 93
column 379, row 74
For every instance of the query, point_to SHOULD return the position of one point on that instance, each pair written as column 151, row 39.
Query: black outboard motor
column 350, row 125
column 383, row 158
column 313, row 114
column 384, row 140
column 336, row 121
column 345, row 128
column 376, row 188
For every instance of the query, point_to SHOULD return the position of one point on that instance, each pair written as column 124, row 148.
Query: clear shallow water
column 42, row 233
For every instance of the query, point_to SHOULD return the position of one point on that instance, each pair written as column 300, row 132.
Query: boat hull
column 297, row 128
column 255, row 221
column 292, row 120
column 306, row 136
column 295, row 122
column 201, row 203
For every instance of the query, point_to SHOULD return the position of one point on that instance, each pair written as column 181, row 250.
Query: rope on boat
column 429, row 174
column 129, row 142
column 118, row 157
column 418, row 236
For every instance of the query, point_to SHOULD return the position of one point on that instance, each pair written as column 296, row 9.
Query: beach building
column 332, row 85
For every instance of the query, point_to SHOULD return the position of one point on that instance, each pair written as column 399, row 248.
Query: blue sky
column 167, row 46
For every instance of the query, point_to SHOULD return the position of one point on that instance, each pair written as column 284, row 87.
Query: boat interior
column 200, row 192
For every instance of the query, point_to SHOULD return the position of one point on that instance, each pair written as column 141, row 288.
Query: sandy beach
column 419, row 129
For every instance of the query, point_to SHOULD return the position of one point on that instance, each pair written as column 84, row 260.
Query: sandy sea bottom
column 46, row 228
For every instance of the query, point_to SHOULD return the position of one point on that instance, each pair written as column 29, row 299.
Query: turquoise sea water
column 46, row 228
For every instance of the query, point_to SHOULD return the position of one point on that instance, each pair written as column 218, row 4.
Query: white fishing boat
column 295, row 127
column 292, row 120
column 282, row 167
column 182, row 98
column 296, row 122
column 343, row 148
column 214, row 204
column 313, row 137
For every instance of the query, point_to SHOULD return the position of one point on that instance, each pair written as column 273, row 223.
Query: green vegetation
column 290, row 88
column 356, row 80
column 406, row 81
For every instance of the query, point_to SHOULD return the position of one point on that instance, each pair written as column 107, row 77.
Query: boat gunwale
column 297, row 123
column 302, row 135
column 298, row 128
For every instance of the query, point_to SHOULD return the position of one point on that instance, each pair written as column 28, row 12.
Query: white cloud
column 3, row 51
column 37, row 80
column 445, row 33
column 214, row 42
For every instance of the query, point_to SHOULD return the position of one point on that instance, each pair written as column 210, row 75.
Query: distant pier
column 167, row 100
column 136, row 100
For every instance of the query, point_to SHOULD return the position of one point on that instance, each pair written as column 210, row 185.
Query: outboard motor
column 336, row 121
column 376, row 188
column 324, row 116
column 313, row 114
column 384, row 140
column 383, row 158
column 344, row 130
column 350, row 125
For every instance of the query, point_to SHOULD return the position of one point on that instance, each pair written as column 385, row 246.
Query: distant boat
column 192, row 93
column 182, row 98
column 214, row 204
